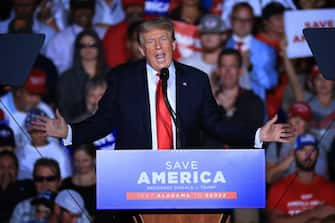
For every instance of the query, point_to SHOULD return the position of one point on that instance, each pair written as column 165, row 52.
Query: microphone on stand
column 164, row 76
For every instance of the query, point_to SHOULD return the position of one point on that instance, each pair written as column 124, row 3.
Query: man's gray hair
column 157, row 23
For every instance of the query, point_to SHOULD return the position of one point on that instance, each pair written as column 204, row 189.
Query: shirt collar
column 245, row 39
column 151, row 72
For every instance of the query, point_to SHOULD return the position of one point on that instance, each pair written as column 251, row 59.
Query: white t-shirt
column 30, row 154
column 196, row 61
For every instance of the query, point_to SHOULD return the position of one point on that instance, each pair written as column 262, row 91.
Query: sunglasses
column 87, row 45
column 47, row 178
column 242, row 20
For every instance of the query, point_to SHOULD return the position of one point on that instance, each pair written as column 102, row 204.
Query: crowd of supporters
column 242, row 46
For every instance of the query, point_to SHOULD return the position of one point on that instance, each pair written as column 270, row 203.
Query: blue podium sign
column 180, row 179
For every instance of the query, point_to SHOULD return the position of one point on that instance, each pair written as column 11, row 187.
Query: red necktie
column 163, row 121
column 239, row 45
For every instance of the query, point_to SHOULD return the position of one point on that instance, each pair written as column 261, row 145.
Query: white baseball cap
column 71, row 201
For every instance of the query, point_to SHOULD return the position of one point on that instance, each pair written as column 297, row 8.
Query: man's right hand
column 51, row 127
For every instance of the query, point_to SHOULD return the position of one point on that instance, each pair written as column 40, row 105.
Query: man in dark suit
column 129, row 103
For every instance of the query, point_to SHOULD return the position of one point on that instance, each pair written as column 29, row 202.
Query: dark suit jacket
column 125, row 106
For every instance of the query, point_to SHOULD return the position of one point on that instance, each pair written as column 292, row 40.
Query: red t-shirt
column 115, row 44
column 297, row 197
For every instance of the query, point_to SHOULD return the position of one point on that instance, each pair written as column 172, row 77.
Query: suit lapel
column 144, row 97
column 181, row 84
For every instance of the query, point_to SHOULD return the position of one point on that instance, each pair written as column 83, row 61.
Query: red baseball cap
column 314, row 72
column 36, row 82
column 300, row 109
column 126, row 3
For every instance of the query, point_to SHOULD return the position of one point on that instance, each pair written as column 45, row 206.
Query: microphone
column 164, row 76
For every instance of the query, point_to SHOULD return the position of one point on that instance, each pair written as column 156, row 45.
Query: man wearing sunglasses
column 46, row 177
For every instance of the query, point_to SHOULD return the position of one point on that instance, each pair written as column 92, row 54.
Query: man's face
column 27, row 100
column 323, row 86
column 299, row 124
column 157, row 46
column 8, row 170
column 134, row 12
column 83, row 17
column 275, row 23
column 24, row 8
column 210, row 42
column 38, row 138
column 306, row 158
column 229, row 71
column 242, row 22
column 45, row 179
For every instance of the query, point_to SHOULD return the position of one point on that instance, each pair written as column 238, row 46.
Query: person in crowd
column 43, row 205
column 23, row 18
column 237, row 105
column 259, row 60
column 312, row 4
column 69, row 208
column 273, row 34
column 134, row 10
column 114, row 40
column 303, row 196
column 12, row 191
column 322, row 102
column 88, row 63
column 17, row 103
column 212, row 39
column 108, row 12
column 7, row 139
column 60, row 49
column 189, row 11
column 53, row 13
column 94, row 90
column 84, row 178
column 45, row 65
column 39, row 147
column 280, row 157
column 42, row 64
column 132, row 41
column 46, row 177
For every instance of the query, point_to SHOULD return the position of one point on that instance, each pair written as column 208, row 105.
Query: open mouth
column 160, row 57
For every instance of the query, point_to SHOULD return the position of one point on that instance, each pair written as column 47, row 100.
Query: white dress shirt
column 171, row 93
column 245, row 40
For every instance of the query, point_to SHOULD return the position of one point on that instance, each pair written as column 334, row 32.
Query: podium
column 180, row 185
